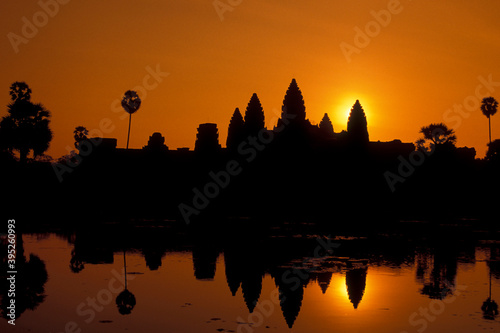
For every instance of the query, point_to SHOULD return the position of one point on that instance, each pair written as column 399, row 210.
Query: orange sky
column 415, row 68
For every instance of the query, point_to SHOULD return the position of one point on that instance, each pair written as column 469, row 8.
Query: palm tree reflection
column 489, row 307
column 76, row 264
column 125, row 301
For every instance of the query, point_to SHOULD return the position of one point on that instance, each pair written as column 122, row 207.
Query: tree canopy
column 80, row 133
column 26, row 128
column 436, row 135
column 489, row 107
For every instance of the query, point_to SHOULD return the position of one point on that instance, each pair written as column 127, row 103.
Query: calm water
column 335, row 284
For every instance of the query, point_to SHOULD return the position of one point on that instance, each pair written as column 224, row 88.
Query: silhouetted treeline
column 294, row 171
column 294, row 263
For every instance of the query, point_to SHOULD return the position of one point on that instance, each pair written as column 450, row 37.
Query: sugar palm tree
column 130, row 103
column 489, row 307
column 489, row 107
column 80, row 134
column 125, row 301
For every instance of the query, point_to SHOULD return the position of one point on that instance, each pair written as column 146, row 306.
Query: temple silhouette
column 298, row 132
column 293, row 266
column 272, row 167
column 249, row 255
column 294, row 170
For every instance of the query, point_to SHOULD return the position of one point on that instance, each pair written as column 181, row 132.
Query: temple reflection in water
column 293, row 262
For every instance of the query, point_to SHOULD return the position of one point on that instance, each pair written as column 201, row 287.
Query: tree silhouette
column 130, row 103
column 236, row 130
column 489, row 307
column 30, row 280
column 20, row 91
column 489, row 107
column 26, row 128
column 125, row 302
column 254, row 116
column 493, row 153
column 326, row 126
column 76, row 264
column 80, row 133
column 357, row 126
column 436, row 136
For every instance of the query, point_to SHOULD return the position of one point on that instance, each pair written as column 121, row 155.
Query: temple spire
column 326, row 126
column 254, row 116
column 293, row 103
column 357, row 126
column 236, row 130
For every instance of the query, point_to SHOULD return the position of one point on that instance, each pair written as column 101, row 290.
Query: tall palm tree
column 489, row 107
column 130, row 103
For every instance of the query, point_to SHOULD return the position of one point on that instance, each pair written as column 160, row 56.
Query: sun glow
column 342, row 289
column 340, row 113
column 342, row 110
column 347, row 113
column 346, row 107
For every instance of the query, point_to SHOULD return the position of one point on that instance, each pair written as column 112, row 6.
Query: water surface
column 275, row 284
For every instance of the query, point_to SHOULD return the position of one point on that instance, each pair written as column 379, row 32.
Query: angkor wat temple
column 296, row 169
column 293, row 130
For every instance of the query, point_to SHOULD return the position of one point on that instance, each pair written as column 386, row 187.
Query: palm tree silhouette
column 80, row 134
column 489, row 107
column 130, row 103
column 26, row 127
column 20, row 91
